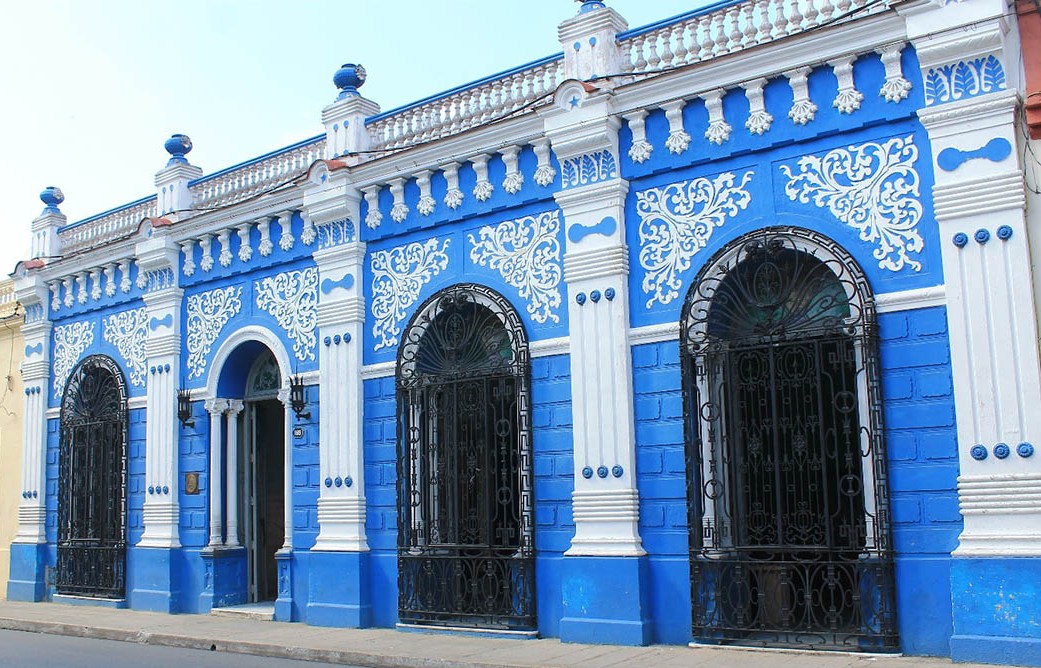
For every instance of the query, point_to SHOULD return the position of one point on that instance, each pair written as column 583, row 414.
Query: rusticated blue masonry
column 553, row 445
column 918, row 403
column 381, row 517
column 661, row 477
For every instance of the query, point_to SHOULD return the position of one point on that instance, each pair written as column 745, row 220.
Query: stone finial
column 349, row 78
column 51, row 196
column 178, row 146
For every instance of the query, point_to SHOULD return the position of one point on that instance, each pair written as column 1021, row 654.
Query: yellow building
column 10, row 424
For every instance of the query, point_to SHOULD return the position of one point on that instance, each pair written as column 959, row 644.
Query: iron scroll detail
column 92, row 534
column 790, row 538
column 465, row 470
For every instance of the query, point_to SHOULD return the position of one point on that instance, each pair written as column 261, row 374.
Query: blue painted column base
column 151, row 575
column 606, row 600
column 225, row 581
column 27, row 580
column 338, row 589
column 284, row 602
column 997, row 610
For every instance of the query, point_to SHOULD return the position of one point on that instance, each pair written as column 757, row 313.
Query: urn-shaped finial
column 349, row 79
column 51, row 197
column 590, row 5
column 178, row 146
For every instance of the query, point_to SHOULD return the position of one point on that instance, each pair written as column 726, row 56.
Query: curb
column 297, row 653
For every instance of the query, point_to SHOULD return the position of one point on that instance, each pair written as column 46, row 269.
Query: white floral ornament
column 398, row 275
column 874, row 188
column 128, row 331
column 207, row 313
column 69, row 343
column 292, row 298
column 677, row 220
column 526, row 252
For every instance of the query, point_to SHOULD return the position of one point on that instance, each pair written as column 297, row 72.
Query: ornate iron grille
column 92, row 482
column 787, row 489
column 465, row 494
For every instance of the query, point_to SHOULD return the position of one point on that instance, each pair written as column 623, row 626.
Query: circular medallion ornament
column 982, row 236
column 978, row 452
column 960, row 239
column 587, row 472
column 1004, row 232
column 602, row 471
column 617, row 471
column 1001, row 450
column 1025, row 450
column 580, row 298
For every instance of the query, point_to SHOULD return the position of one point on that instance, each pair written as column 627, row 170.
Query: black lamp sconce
column 296, row 397
column 184, row 407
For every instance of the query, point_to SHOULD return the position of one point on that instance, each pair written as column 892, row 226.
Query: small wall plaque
column 191, row 483
column 298, row 432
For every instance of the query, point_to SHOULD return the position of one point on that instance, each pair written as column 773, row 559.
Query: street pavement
column 23, row 649
column 396, row 649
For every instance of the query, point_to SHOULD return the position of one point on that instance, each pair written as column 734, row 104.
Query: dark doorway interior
column 265, row 495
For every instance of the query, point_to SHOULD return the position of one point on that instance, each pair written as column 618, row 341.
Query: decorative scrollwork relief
column 677, row 220
column 874, row 188
column 398, row 275
column 128, row 331
column 69, row 343
column 208, row 313
column 292, row 298
column 526, row 252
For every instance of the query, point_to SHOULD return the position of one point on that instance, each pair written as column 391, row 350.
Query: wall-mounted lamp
column 296, row 397
column 184, row 407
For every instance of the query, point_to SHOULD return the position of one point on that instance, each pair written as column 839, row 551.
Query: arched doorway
column 787, row 490
column 92, row 481
column 465, row 484
column 262, row 476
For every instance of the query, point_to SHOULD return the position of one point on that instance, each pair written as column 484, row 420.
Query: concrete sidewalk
column 386, row 647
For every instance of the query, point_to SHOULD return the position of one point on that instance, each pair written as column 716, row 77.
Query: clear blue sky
column 91, row 90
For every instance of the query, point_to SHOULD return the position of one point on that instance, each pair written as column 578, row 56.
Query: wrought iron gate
column 92, row 482
column 788, row 495
column 465, row 494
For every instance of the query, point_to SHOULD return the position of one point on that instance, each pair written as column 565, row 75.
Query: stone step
column 259, row 611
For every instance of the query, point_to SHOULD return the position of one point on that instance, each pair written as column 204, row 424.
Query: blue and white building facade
column 720, row 330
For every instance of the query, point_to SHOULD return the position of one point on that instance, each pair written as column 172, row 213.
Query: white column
column 216, row 408
column 979, row 200
column 341, row 317
column 287, row 439
column 162, row 350
column 605, row 501
column 32, row 510
column 235, row 407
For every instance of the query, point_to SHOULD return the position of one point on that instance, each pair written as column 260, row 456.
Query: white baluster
column 734, row 36
column 794, row 18
column 666, row 51
column 641, row 63
column 653, row 59
column 707, row 44
column 681, row 51
column 780, row 21
column 719, row 34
